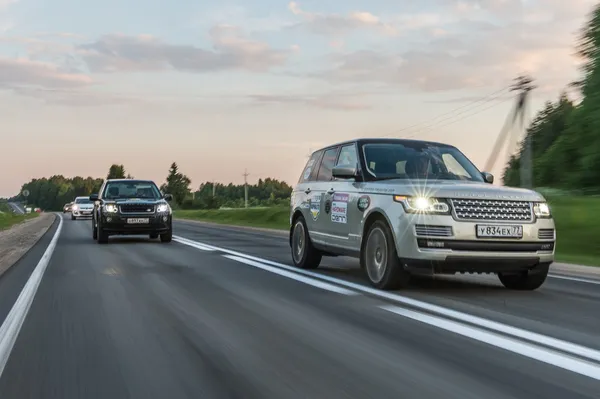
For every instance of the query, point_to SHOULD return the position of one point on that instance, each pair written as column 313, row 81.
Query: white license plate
column 138, row 221
column 487, row 231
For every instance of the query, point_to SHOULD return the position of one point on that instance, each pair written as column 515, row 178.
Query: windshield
column 418, row 161
column 83, row 200
column 131, row 189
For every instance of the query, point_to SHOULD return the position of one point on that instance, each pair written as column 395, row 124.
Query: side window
column 327, row 165
column 348, row 156
column 311, row 166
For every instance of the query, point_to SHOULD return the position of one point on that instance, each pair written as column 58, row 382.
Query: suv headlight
column 110, row 208
column 423, row 205
column 163, row 208
column 542, row 210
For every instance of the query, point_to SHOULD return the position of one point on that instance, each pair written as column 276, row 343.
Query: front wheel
column 102, row 235
column 166, row 237
column 525, row 281
column 94, row 231
column 73, row 217
column 379, row 259
column 304, row 254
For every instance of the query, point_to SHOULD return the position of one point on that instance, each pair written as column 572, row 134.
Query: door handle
column 331, row 191
column 307, row 191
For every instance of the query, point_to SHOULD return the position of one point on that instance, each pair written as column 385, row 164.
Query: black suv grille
column 493, row 210
column 137, row 208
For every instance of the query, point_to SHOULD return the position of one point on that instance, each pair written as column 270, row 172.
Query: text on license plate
column 138, row 221
column 499, row 231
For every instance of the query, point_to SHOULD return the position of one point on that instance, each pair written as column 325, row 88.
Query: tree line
column 565, row 134
column 52, row 193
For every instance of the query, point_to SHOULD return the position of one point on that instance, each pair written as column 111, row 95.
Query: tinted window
column 418, row 161
column 131, row 189
column 327, row 165
column 311, row 166
column 83, row 201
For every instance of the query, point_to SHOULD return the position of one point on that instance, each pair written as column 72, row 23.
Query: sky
column 228, row 86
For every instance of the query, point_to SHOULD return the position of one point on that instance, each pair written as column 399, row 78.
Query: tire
column 94, row 231
column 380, row 248
column 525, row 281
column 73, row 217
column 102, row 235
column 166, row 237
column 304, row 254
column 153, row 236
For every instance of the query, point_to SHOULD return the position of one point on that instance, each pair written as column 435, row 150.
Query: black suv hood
column 136, row 201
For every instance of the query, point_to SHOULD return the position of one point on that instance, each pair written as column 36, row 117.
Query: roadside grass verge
column 271, row 218
column 577, row 224
column 9, row 219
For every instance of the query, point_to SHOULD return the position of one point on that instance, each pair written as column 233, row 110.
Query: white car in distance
column 82, row 207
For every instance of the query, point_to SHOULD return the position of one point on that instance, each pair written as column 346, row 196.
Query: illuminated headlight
column 423, row 204
column 74, row 207
column 163, row 208
column 541, row 210
column 110, row 208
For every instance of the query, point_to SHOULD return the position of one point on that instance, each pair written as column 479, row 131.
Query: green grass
column 272, row 218
column 577, row 224
column 9, row 219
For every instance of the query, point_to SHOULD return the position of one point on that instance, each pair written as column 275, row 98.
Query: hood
column 455, row 189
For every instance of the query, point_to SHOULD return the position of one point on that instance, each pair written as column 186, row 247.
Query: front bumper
column 118, row 224
column 440, row 244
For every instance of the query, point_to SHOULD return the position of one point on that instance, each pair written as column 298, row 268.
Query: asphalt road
column 219, row 313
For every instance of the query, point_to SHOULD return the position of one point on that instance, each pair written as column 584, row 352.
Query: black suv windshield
column 82, row 201
column 418, row 160
column 131, row 189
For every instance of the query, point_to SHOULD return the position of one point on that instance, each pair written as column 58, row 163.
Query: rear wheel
column 304, row 254
column 379, row 259
column 525, row 281
column 166, row 237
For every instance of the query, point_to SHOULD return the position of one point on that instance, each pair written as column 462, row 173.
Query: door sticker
column 363, row 203
column 339, row 208
column 315, row 206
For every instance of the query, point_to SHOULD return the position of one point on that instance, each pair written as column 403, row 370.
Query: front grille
column 433, row 231
column 136, row 208
column 492, row 210
column 546, row 234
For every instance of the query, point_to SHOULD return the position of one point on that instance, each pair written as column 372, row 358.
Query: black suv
column 131, row 207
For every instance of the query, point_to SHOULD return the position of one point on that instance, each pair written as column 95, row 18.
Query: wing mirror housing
column 488, row 177
column 344, row 172
column 168, row 197
column 94, row 197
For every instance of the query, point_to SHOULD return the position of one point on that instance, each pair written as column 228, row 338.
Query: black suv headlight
column 423, row 205
column 110, row 208
column 163, row 208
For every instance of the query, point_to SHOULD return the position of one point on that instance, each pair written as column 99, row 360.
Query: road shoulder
column 248, row 229
column 19, row 239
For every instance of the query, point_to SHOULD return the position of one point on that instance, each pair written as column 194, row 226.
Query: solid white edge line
column 578, row 279
column 11, row 327
column 197, row 245
column 293, row 276
column 519, row 347
column 555, row 343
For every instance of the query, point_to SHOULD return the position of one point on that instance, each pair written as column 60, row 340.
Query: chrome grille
column 546, row 234
column 433, row 231
column 136, row 208
column 492, row 210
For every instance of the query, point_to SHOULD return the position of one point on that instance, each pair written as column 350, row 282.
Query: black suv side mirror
column 488, row 177
column 94, row 197
column 344, row 172
column 168, row 197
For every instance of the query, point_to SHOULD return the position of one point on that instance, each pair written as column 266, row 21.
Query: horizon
column 257, row 85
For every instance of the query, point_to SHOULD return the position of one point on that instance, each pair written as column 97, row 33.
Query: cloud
column 331, row 24
column 333, row 102
column 15, row 73
column 472, row 53
column 231, row 50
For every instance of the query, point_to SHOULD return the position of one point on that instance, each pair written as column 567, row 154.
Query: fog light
column 165, row 218
column 108, row 219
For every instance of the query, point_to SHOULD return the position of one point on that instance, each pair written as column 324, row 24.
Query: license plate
column 87, row 212
column 138, row 221
column 485, row 231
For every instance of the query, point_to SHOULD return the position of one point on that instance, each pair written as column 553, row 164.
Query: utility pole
column 524, row 85
column 246, row 188
column 214, row 189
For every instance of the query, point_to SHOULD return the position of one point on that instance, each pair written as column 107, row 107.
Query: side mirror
column 344, row 172
column 168, row 197
column 488, row 177
column 94, row 197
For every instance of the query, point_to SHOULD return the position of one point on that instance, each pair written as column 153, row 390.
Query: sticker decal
column 339, row 208
column 315, row 206
column 363, row 203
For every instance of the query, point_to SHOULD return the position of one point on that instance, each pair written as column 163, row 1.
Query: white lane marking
column 505, row 329
column 578, row 279
column 519, row 347
column 191, row 243
column 293, row 276
column 14, row 321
